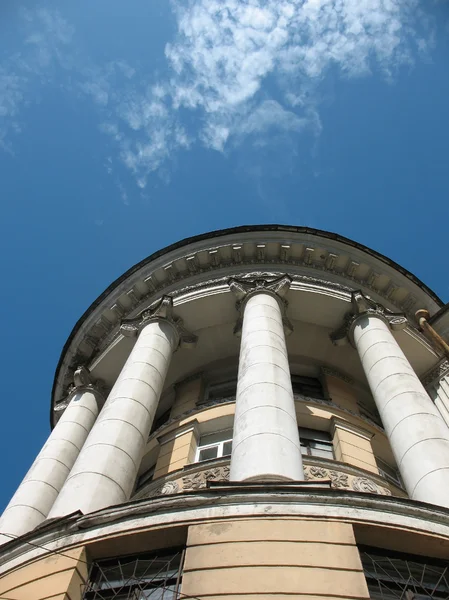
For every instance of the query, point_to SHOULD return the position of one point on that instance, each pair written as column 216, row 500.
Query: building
column 252, row 413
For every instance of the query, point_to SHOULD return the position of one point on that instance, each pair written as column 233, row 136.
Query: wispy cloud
column 47, row 37
column 225, row 50
column 214, row 91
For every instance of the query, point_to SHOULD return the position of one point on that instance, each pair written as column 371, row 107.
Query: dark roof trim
column 236, row 230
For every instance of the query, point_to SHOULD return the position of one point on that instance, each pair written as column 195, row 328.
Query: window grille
column 214, row 445
column 154, row 576
column 392, row 576
column 316, row 443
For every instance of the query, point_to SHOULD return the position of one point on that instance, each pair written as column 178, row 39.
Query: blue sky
column 125, row 126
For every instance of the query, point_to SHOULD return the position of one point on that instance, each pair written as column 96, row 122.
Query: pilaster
column 352, row 445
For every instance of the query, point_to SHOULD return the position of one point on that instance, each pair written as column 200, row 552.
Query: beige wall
column 341, row 393
column 264, row 558
column 352, row 445
column 177, row 449
column 54, row 577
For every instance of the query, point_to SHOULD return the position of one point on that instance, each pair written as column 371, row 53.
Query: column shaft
column 418, row 435
column 266, row 441
column 39, row 489
column 105, row 471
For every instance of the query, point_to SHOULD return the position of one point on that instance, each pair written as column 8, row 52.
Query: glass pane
column 307, row 386
column 218, row 436
column 208, row 453
column 323, row 453
column 321, row 449
column 313, row 434
column 226, row 389
column 227, row 448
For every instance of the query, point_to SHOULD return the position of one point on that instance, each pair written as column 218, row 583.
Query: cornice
column 303, row 253
column 234, row 502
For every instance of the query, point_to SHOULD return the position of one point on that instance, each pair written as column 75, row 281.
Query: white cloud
column 224, row 52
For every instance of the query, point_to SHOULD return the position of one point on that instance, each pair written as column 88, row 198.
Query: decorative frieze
column 340, row 477
column 335, row 373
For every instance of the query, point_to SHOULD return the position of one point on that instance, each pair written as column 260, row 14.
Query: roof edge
column 221, row 233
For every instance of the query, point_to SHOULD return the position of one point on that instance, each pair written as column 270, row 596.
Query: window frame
column 146, row 477
column 224, row 383
column 219, row 445
column 391, row 478
column 322, row 395
column 319, row 439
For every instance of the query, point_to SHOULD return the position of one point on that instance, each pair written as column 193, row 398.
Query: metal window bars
column 392, row 576
column 142, row 577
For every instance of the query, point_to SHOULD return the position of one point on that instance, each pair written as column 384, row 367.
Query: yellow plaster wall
column 341, row 393
column 176, row 453
column 258, row 558
column 352, row 445
column 53, row 577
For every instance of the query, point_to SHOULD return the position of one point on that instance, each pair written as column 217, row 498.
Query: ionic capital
column 244, row 289
column 363, row 306
column 162, row 310
column 82, row 382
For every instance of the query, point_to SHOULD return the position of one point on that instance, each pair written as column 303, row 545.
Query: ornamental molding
column 331, row 372
column 162, row 310
column 198, row 476
column 244, row 289
column 337, row 423
column 237, row 502
column 83, row 382
column 166, row 275
column 362, row 306
column 436, row 373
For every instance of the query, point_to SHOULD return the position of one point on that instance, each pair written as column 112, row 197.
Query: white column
column 266, row 442
column 105, row 471
column 418, row 435
column 39, row 489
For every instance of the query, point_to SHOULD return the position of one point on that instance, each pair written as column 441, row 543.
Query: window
column 392, row 575
column 155, row 576
column 389, row 472
column 371, row 414
column 218, row 391
column 214, row 445
column 146, row 477
column 161, row 420
column 316, row 443
column 307, row 386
